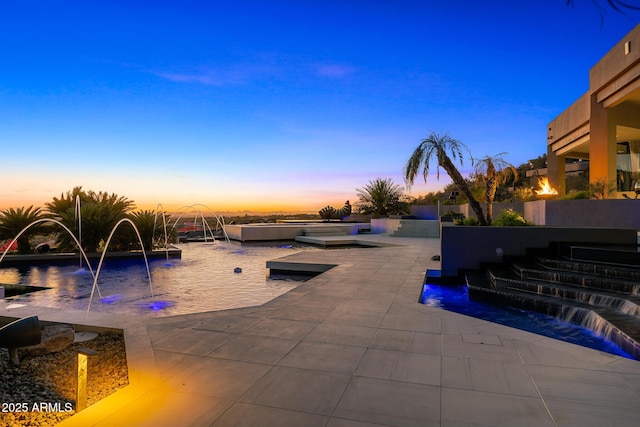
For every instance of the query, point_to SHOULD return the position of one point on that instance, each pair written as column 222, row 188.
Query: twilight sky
column 277, row 105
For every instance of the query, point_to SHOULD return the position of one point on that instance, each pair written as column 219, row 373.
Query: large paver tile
column 281, row 328
column 550, row 352
column 299, row 390
column 409, row 341
column 169, row 363
column 218, row 377
column 341, row 422
column 487, row 375
column 477, row 337
column 324, row 297
column 474, row 408
column 588, row 386
column 390, row 403
column 231, row 324
column 455, row 346
column 400, row 366
column 158, row 332
column 590, row 414
column 247, row 415
column 192, row 341
column 303, row 313
column 338, row 333
column 163, row 407
column 255, row 348
column 412, row 321
column 341, row 359
column 360, row 312
column 633, row 380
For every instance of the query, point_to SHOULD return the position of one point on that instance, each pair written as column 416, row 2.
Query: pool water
column 456, row 299
column 208, row 277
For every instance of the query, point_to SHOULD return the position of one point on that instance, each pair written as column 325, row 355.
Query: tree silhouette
column 436, row 146
column 493, row 171
column 381, row 197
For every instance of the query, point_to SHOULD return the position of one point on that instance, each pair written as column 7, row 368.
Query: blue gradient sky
column 277, row 105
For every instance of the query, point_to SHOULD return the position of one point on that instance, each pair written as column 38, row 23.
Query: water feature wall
column 606, row 304
column 458, row 255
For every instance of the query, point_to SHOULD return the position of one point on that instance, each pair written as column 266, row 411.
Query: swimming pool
column 206, row 278
column 456, row 299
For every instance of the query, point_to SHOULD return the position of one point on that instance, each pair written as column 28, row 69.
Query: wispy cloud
column 235, row 74
column 257, row 68
column 334, row 70
column 190, row 78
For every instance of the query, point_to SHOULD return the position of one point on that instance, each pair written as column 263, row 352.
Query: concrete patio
column 353, row 347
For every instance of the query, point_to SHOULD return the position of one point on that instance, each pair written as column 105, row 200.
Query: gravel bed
column 42, row 390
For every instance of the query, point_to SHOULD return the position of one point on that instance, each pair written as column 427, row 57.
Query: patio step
column 418, row 228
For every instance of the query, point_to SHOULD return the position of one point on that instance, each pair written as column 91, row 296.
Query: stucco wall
column 384, row 225
column 615, row 61
column 620, row 213
column 425, row 211
column 568, row 124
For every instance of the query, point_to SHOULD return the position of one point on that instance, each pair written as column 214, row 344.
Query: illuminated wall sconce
column 81, row 389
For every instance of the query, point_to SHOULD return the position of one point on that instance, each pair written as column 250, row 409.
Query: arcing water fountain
column 79, row 285
column 206, row 228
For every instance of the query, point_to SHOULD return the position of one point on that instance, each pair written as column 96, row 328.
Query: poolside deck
column 353, row 347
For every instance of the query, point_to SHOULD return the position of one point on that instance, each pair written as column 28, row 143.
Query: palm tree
column 150, row 227
column 67, row 201
column 493, row 171
column 13, row 221
column 381, row 197
column 100, row 212
column 438, row 145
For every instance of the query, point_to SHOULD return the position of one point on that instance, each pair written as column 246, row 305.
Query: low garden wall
column 617, row 213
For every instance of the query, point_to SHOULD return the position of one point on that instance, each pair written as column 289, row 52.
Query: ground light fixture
column 81, row 389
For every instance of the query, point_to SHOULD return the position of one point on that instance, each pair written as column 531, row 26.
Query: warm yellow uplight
column 545, row 187
column 81, row 390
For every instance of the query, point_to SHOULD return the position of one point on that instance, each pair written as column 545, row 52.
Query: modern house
column 603, row 125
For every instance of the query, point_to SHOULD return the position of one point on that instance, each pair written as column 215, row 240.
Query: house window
column 627, row 165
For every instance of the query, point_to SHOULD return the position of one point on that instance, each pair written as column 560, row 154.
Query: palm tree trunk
column 457, row 178
column 492, row 186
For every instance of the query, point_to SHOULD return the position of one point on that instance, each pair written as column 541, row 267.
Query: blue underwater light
column 110, row 299
column 456, row 299
column 157, row 305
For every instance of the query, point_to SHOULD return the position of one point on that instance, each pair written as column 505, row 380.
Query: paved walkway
column 353, row 348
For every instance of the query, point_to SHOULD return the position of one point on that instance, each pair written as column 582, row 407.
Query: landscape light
column 81, row 389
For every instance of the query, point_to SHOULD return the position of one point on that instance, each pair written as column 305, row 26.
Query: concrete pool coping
column 353, row 347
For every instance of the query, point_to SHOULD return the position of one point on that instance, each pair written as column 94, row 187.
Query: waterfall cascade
column 603, row 297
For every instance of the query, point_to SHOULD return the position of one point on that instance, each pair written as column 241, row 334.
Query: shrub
column 524, row 194
column 452, row 217
column 467, row 221
column 577, row 195
column 510, row 218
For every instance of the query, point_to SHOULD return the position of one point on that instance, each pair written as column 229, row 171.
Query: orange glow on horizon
column 235, row 208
